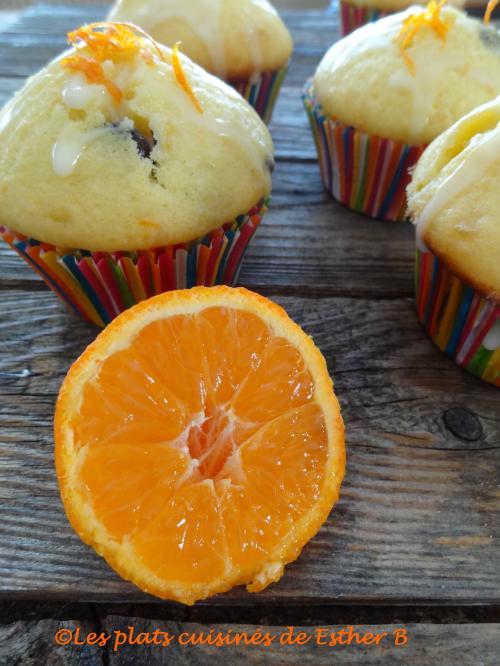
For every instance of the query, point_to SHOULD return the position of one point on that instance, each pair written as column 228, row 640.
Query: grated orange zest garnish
column 94, row 73
column 99, row 42
column 430, row 17
column 490, row 7
column 182, row 79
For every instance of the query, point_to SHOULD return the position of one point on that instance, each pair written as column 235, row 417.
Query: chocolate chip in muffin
column 144, row 147
column 143, row 143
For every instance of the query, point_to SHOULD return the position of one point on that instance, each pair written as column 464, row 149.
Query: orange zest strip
column 431, row 18
column 110, row 41
column 182, row 79
column 93, row 72
column 490, row 7
column 99, row 42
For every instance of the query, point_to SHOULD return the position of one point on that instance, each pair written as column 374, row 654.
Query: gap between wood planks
column 266, row 614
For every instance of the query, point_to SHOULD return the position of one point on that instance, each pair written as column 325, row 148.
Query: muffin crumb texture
column 106, row 148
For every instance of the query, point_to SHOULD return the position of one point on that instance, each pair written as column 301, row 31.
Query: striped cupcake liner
column 365, row 172
column 459, row 320
column 262, row 92
column 352, row 17
column 100, row 285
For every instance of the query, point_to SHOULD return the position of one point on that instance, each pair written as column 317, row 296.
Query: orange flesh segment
column 275, row 461
column 201, row 443
column 186, row 538
column 135, row 473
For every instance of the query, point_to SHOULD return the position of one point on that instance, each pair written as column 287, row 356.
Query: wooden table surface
column 418, row 523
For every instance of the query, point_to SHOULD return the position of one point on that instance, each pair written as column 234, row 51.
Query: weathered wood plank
column 40, row 34
column 32, row 643
column 418, row 518
column 318, row 27
column 468, row 645
column 23, row 57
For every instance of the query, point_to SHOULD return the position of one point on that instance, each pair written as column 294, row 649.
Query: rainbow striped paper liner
column 100, row 285
column 456, row 317
column 262, row 92
column 353, row 17
column 365, row 172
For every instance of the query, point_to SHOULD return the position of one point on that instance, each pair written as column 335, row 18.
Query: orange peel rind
column 413, row 24
column 199, row 444
column 97, row 43
column 490, row 8
column 181, row 77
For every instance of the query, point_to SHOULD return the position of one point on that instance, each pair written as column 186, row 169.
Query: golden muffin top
column 121, row 144
column 234, row 39
column 411, row 75
column 454, row 198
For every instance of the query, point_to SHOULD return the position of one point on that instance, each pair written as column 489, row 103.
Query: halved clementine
column 199, row 444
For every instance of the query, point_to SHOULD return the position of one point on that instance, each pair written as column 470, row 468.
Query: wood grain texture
column 41, row 32
column 32, row 643
column 468, row 645
column 418, row 518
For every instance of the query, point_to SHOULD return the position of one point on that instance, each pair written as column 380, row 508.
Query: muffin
column 243, row 42
column 126, row 170
column 380, row 95
column 356, row 13
column 454, row 201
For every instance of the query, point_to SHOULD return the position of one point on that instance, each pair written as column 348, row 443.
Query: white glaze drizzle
column 431, row 61
column 204, row 17
column 371, row 37
column 263, row 4
column 481, row 153
column 187, row 113
column 424, row 85
column 253, row 43
column 71, row 145
column 430, row 57
column 491, row 340
column 9, row 112
column 78, row 94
